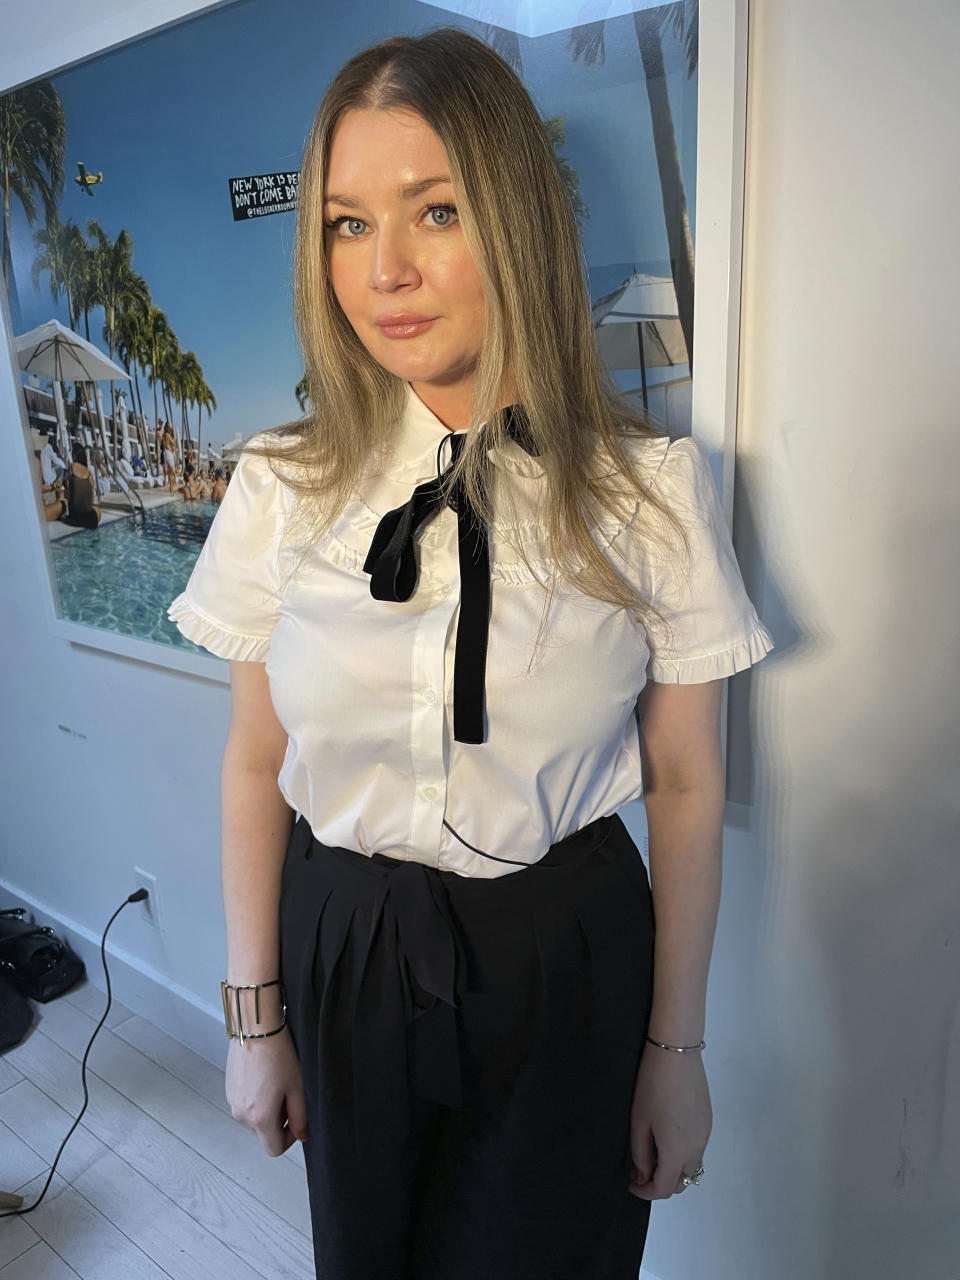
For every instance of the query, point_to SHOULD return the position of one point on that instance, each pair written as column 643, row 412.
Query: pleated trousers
column 469, row 1049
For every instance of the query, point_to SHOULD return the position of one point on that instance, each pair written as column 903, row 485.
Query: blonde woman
column 170, row 457
column 448, row 597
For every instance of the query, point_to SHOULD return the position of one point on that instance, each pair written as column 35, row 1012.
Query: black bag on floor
column 15, row 1015
column 34, row 960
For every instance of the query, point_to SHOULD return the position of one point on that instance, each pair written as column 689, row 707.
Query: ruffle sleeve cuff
column 713, row 666
column 220, row 640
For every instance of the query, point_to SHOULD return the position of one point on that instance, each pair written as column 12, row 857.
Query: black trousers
column 469, row 1050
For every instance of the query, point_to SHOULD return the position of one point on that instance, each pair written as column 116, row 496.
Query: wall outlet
column 150, row 906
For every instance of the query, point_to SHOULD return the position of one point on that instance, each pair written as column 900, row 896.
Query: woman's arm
column 683, row 786
column 255, row 827
column 263, row 1081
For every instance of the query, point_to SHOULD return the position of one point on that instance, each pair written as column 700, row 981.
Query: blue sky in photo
column 170, row 118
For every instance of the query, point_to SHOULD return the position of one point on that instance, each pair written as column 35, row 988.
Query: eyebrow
column 406, row 191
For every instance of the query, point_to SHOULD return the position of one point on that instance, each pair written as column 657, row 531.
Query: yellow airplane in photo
column 86, row 180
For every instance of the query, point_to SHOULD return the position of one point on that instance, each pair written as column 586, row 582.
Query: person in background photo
column 54, row 467
column 170, row 457
column 159, row 470
column 189, row 488
column 54, row 500
column 83, row 512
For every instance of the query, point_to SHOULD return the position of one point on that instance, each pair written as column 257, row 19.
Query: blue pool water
column 123, row 575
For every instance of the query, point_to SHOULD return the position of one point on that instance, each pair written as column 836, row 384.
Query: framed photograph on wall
column 147, row 254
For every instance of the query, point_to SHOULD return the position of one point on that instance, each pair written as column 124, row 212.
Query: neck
column 452, row 405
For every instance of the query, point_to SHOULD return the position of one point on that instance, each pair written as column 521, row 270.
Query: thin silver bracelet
column 678, row 1048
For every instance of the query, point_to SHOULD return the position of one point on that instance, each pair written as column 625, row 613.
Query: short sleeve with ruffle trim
column 229, row 604
column 714, row 630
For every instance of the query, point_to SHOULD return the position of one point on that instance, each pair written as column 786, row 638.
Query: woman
column 55, row 507
column 170, row 457
column 82, row 510
column 447, row 595
column 190, row 486
column 218, row 487
column 158, row 447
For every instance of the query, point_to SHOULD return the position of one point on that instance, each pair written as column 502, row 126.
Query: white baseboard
column 142, row 989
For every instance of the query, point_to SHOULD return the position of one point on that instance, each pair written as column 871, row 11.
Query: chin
column 414, row 368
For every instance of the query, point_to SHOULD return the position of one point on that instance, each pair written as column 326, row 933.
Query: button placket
column 428, row 722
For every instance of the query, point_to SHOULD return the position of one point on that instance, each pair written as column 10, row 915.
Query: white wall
column 833, row 1043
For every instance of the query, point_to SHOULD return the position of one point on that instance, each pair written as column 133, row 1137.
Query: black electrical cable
column 137, row 896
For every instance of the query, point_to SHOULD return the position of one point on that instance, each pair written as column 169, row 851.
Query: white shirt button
column 445, row 589
column 429, row 696
column 430, row 793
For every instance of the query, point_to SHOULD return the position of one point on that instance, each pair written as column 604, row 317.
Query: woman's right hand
column 264, row 1088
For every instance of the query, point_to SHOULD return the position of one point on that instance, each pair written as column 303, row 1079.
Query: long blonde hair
column 538, row 329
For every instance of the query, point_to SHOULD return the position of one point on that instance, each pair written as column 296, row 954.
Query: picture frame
column 720, row 166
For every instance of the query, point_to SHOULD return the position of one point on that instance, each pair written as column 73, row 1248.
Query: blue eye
column 447, row 208
column 334, row 224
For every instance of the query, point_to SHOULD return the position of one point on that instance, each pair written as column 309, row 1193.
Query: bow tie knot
column 392, row 565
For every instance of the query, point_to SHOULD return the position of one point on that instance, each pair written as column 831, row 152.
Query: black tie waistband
column 413, row 938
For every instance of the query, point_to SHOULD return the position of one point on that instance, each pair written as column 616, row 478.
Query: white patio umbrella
column 638, row 326
column 231, row 450
column 54, row 351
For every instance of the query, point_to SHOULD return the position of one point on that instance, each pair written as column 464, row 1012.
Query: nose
column 392, row 263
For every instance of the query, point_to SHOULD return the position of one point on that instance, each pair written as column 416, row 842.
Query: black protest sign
column 263, row 193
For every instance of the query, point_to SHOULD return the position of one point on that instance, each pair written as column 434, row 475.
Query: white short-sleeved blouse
column 364, row 686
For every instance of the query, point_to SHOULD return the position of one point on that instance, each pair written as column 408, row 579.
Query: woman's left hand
column 670, row 1122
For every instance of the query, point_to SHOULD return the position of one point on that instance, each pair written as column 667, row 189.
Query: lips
column 404, row 324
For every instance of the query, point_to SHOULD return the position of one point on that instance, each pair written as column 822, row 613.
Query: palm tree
column 87, row 289
column 33, row 131
column 557, row 133
column 132, row 351
column 117, row 287
column 204, row 399
column 63, row 254
column 198, row 393
column 169, row 363
column 61, row 251
column 587, row 42
column 188, row 378
column 507, row 44
column 155, row 332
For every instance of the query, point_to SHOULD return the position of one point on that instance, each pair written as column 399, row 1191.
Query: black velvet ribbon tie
column 392, row 565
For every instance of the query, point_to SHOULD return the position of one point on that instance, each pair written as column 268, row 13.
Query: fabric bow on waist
column 391, row 563
column 411, row 1049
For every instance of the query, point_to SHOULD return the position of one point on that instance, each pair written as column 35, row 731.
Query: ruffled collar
column 419, row 434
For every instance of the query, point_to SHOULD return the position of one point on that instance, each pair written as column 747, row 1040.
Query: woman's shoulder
column 256, row 487
column 644, row 454
column 669, row 466
column 678, row 491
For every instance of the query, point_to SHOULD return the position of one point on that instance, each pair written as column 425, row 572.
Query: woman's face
column 392, row 257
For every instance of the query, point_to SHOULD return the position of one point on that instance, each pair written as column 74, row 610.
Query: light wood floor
column 157, row 1180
